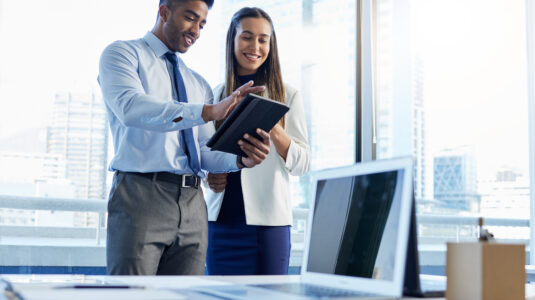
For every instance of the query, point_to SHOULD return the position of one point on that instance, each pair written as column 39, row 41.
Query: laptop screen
column 355, row 227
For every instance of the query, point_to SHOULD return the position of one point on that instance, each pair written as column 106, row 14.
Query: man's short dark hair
column 173, row 3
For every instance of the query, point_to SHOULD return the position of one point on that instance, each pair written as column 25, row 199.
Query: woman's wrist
column 281, row 141
column 239, row 162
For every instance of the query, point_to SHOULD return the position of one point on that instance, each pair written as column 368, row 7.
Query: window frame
column 530, row 43
column 367, row 102
column 365, row 96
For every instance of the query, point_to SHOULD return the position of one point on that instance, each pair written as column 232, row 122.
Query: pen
column 100, row 286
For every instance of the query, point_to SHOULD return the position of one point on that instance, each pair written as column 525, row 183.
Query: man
column 160, row 112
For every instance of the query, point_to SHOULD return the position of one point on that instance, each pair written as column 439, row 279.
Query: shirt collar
column 156, row 44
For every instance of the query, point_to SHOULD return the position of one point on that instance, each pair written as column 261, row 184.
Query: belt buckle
column 195, row 181
column 183, row 181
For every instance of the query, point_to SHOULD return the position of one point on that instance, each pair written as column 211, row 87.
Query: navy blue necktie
column 187, row 134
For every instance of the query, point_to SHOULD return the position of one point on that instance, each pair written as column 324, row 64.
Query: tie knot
column 171, row 57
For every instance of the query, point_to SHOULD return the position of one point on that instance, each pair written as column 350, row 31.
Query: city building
column 505, row 195
column 79, row 132
column 34, row 175
column 455, row 181
column 387, row 72
column 423, row 167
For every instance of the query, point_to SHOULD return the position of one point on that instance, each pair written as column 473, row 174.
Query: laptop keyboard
column 312, row 290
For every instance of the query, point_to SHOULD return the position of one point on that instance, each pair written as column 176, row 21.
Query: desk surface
column 156, row 287
column 44, row 287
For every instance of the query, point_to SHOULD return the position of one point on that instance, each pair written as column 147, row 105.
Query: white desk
column 156, row 287
column 44, row 287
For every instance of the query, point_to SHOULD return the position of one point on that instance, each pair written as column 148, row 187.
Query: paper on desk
column 162, row 282
column 41, row 281
column 48, row 279
column 100, row 294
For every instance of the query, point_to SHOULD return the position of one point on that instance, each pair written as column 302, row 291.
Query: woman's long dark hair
column 269, row 73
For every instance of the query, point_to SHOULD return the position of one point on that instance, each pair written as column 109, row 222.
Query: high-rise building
column 31, row 167
column 423, row 168
column 505, row 195
column 383, row 77
column 386, row 95
column 331, row 66
column 78, row 132
column 2, row 55
column 455, row 181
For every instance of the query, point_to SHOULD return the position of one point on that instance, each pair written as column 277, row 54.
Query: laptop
column 356, row 239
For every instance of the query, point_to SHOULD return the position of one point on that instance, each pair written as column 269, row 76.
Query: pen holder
column 483, row 270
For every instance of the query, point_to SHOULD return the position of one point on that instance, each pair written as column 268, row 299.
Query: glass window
column 54, row 138
column 456, row 84
column 317, row 49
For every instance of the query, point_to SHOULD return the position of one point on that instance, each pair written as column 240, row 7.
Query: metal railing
column 99, row 206
column 86, row 246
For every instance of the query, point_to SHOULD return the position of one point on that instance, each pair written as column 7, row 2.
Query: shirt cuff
column 192, row 115
column 231, row 163
column 291, row 156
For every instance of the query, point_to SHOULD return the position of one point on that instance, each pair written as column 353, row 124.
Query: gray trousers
column 155, row 228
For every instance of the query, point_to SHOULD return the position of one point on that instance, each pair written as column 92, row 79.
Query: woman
column 250, row 211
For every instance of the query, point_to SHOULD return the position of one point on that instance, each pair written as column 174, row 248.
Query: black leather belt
column 181, row 180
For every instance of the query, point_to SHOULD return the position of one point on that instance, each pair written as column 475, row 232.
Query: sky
column 475, row 74
column 54, row 46
column 474, row 53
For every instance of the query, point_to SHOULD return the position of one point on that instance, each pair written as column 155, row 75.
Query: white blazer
column 266, row 187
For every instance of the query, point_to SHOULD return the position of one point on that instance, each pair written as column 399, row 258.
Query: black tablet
column 251, row 113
